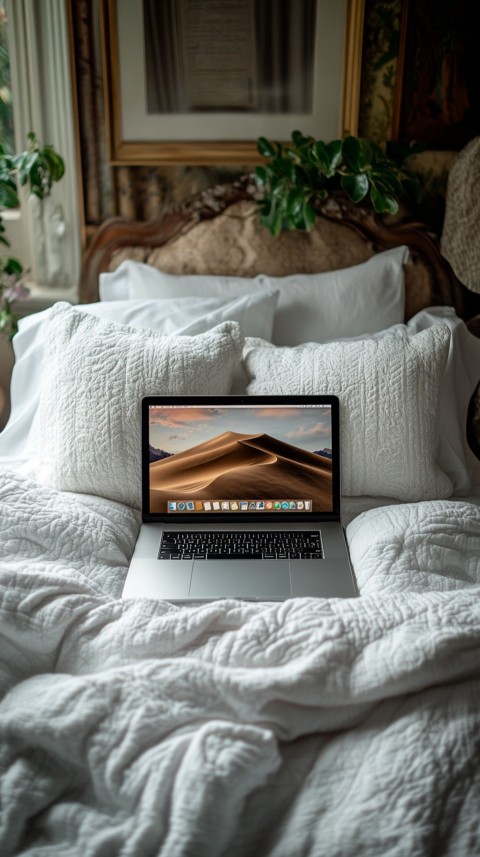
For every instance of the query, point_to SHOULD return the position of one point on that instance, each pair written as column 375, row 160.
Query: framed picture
column 198, row 81
column 438, row 85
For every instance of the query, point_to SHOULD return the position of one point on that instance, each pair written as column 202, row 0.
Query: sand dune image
column 234, row 465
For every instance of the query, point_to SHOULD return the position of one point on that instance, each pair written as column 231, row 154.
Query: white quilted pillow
column 389, row 393
column 97, row 373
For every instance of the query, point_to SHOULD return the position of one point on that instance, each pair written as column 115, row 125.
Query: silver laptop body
column 232, row 471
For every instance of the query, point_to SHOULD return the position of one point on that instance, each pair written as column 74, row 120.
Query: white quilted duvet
column 312, row 727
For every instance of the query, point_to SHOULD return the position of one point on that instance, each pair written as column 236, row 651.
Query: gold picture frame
column 148, row 147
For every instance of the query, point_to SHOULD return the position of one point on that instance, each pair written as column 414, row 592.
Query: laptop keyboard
column 241, row 545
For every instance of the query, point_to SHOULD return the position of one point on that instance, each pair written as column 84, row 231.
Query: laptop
column 240, row 499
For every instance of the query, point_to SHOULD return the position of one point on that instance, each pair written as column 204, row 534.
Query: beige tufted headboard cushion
column 234, row 243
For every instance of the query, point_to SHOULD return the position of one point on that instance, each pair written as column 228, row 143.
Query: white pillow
column 461, row 377
column 191, row 315
column 459, row 381
column 96, row 374
column 19, row 440
column 356, row 300
column 388, row 391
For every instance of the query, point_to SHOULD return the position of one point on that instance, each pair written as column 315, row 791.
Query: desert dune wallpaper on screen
column 240, row 465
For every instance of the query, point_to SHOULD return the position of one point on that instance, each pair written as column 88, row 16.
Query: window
column 6, row 107
column 46, row 238
column 11, row 217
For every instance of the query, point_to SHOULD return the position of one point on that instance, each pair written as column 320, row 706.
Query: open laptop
column 240, row 498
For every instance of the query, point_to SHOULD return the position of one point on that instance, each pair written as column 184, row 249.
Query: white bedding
column 311, row 727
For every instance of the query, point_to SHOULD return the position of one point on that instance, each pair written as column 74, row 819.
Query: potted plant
column 36, row 169
column 299, row 177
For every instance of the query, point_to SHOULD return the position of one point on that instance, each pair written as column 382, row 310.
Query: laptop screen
column 232, row 456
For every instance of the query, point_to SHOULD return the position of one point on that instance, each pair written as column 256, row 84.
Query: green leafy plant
column 36, row 169
column 299, row 177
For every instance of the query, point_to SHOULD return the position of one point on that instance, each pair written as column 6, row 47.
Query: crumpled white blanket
column 312, row 727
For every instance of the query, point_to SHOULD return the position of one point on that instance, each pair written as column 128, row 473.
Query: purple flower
column 13, row 289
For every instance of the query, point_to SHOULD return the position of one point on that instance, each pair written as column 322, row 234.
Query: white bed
column 312, row 727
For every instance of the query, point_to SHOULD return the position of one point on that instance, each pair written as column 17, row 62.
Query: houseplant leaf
column 383, row 203
column 356, row 186
column 12, row 266
column 261, row 176
column 299, row 139
column 357, row 153
column 334, row 153
column 8, row 194
column 320, row 156
column 265, row 148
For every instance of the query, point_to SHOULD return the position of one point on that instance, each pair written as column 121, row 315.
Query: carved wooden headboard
column 218, row 232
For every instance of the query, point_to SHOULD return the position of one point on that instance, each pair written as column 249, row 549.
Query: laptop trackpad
column 239, row 578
